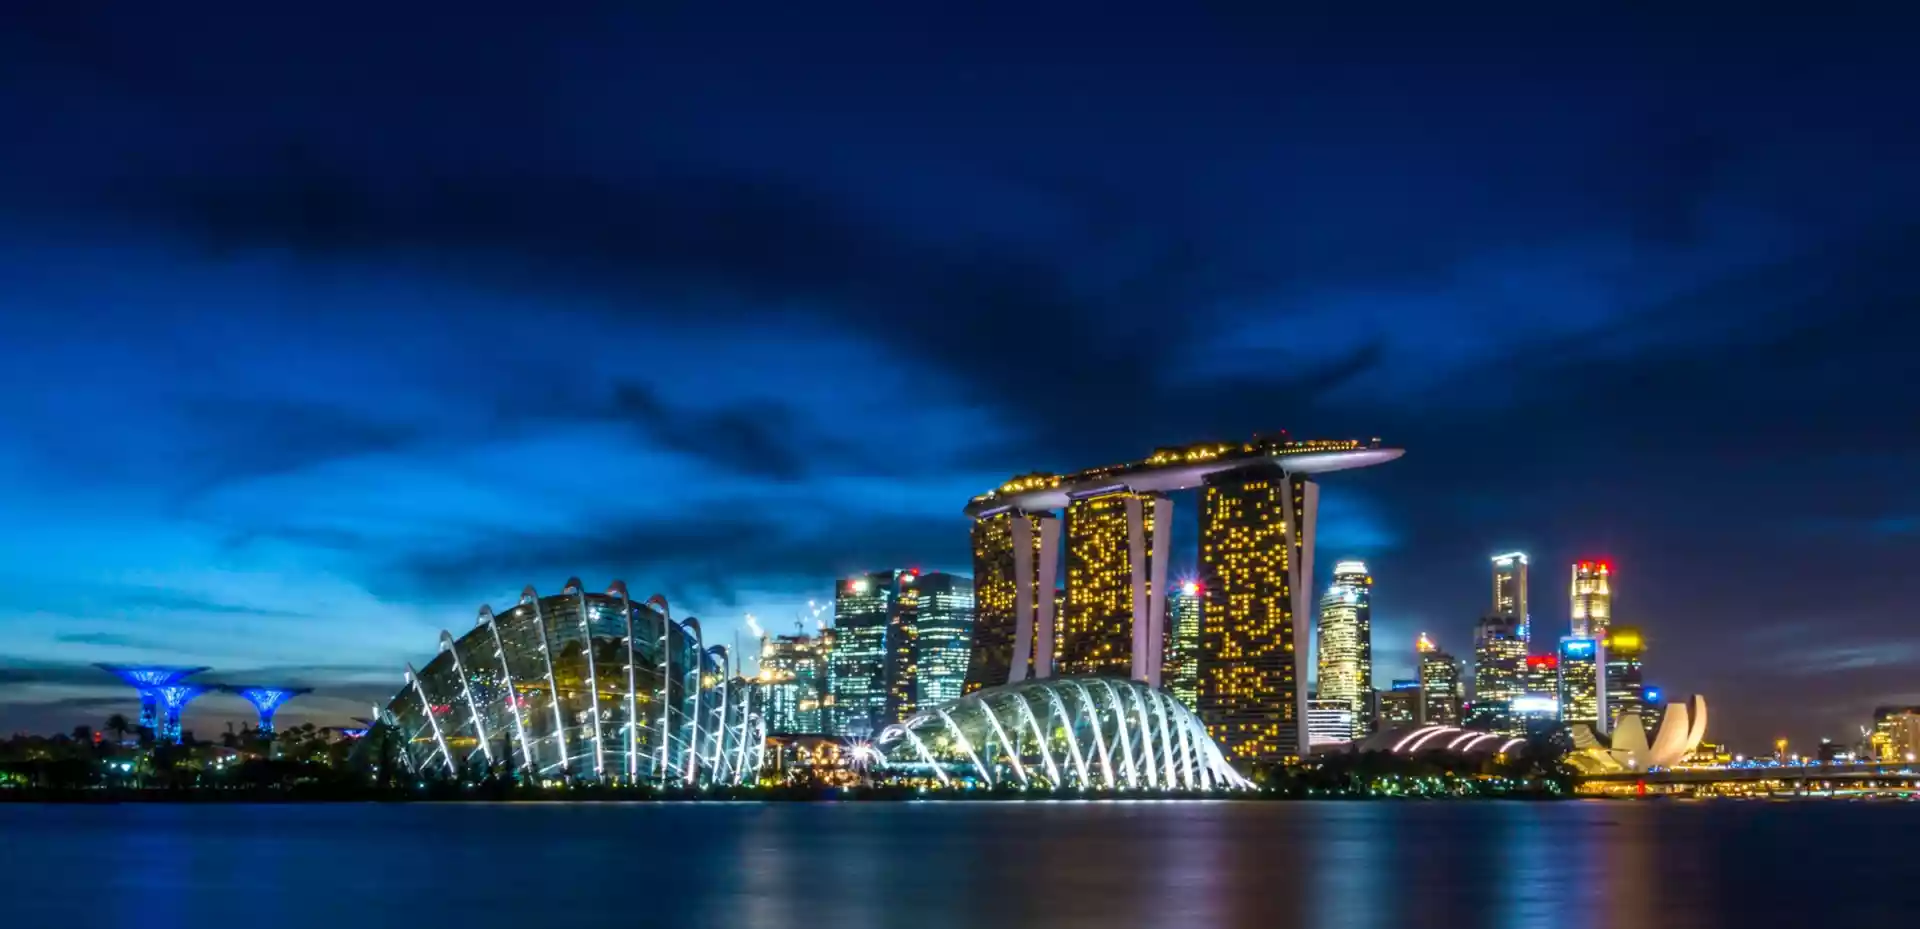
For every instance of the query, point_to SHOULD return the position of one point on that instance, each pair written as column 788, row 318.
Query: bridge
column 1803, row 779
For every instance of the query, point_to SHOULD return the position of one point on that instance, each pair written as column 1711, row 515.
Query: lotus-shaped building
column 1095, row 733
column 1627, row 748
column 574, row 686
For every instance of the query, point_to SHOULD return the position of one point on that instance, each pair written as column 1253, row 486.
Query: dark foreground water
column 932, row 865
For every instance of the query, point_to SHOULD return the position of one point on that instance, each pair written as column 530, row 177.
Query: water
column 934, row 865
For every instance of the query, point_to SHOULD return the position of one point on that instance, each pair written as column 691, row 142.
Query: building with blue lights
column 870, row 672
column 943, row 636
column 1582, row 682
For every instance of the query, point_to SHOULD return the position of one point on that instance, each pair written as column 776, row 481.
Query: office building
column 1398, row 706
column 1183, row 645
column 1259, row 506
column 1008, row 574
column 1499, row 675
column 943, row 637
column 1329, row 722
column 1510, row 592
column 1439, row 684
column 870, row 673
column 792, row 683
column 1592, row 598
column 1344, row 656
column 1109, row 567
column 1623, row 647
column 1896, row 733
column 1582, row 692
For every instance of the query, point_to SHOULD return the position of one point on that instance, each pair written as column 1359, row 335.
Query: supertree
column 266, row 700
column 147, row 679
column 172, row 698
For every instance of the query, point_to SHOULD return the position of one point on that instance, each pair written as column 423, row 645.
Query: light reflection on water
column 952, row 865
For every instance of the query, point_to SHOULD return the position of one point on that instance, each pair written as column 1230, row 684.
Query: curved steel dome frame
column 575, row 686
column 1095, row 733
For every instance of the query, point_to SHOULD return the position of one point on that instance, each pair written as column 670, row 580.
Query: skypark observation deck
column 1183, row 468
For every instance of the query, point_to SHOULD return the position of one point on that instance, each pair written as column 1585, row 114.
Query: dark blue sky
column 323, row 330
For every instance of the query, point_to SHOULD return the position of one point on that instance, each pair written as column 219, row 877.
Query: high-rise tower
column 1499, row 675
column 943, row 637
column 1015, row 555
column 1344, row 656
column 792, row 684
column 1439, row 684
column 1510, row 592
column 1623, row 647
column 1592, row 598
column 1583, row 690
column 1114, row 581
column 1256, row 556
column 1183, row 644
column 870, row 672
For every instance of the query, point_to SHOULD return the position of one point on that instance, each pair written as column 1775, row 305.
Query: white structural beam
column 619, row 589
column 1040, row 737
column 1126, row 741
column 527, row 761
column 658, row 602
column 1023, row 592
column 466, row 690
column 1151, row 765
column 1007, row 744
column 1099, row 739
column 1160, row 542
column 966, row 745
column 1137, row 571
column 1073, row 743
column 1049, row 569
column 426, row 709
column 553, row 685
column 926, row 756
column 593, row 676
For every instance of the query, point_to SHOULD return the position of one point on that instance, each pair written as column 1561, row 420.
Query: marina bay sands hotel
column 1258, row 507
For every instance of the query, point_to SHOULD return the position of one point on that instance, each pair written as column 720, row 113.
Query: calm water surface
column 933, row 865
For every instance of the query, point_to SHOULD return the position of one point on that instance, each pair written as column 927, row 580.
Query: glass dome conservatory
column 1095, row 733
column 575, row 686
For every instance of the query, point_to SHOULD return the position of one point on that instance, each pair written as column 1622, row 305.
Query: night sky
column 322, row 331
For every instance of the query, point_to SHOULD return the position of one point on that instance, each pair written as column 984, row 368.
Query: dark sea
column 1643, row 865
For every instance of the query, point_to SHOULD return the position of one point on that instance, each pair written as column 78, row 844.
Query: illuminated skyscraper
column 1330, row 722
column 1183, row 645
column 1583, row 696
column 1439, row 684
column 1510, row 592
column 1110, row 580
column 1008, row 574
column 1592, row 599
column 1623, row 648
column 792, row 683
column 1256, row 556
column 1499, row 675
column 869, row 673
column 1345, row 653
column 943, row 639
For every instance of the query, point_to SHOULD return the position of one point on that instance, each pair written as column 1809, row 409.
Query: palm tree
column 119, row 726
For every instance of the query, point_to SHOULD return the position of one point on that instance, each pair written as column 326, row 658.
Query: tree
column 119, row 726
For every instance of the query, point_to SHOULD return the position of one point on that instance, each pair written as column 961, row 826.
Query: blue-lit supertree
column 147, row 679
column 267, row 700
column 172, row 698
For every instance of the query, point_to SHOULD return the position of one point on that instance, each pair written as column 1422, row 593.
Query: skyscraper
column 1183, row 644
column 1592, row 599
column 869, row 674
column 1439, row 684
column 1499, row 674
column 1398, row 706
column 1008, row 574
column 1510, row 592
column 1256, row 557
column 792, row 683
column 1330, row 722
column 1623, row 647
column 1110, row 574
column 943, row 639
column 1583, row 693
column 1345, row 653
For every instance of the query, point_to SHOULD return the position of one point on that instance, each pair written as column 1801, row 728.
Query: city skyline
column 305, row 369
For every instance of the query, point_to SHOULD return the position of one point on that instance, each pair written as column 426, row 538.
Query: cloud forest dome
column 575, row 685
column 1097, row 733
